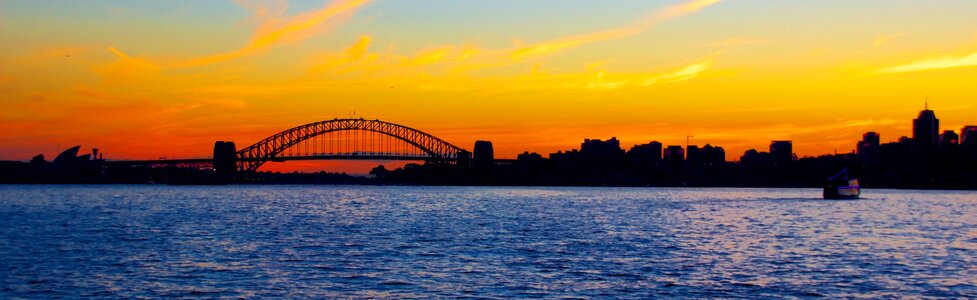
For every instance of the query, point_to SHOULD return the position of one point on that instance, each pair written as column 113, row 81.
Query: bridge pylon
column 225, row 159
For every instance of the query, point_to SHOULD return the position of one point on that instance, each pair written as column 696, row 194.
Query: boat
column 842, row 186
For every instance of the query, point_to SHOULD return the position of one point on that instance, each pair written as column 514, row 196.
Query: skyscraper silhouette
column 926, row 128
column 968, row 135
column 484, row 154
column 868, row 145
column 949, row 139
column 868, row 149
column 782, row 152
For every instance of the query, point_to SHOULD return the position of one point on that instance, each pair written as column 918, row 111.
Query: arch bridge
column 351, row 139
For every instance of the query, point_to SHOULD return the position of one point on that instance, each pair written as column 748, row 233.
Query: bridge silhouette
column 336, row 139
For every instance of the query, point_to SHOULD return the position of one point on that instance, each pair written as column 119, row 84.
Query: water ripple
column 482, row 242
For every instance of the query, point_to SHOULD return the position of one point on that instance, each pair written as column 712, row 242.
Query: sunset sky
column 144, row 79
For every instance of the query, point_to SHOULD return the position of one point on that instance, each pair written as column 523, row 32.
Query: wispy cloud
column 656, row 17
column 357, row 57
column 935, row 63
column 275, row 29
column 604, row 81
column 460, row 59
column 431, row 56
column 126, row 68
column 882, row 39
column 686, row 73
column 354, row 53
column 599, row 81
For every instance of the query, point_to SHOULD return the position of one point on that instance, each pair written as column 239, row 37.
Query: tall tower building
column 871, row 138
column 868, row 148
column 782, row 152
column 968, row 135
column 949, row 139
column 484, row 154
column 926, row 128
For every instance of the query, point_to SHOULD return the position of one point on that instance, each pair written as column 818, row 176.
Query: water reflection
column 397, row 242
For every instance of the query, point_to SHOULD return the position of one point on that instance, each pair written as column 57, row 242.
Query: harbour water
column 118, row 241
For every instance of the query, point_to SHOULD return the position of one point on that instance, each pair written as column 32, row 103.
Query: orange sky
column 148, row 79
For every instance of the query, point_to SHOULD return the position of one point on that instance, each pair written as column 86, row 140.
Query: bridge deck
column 354, row 156
column 350, row 157
column 283, row 159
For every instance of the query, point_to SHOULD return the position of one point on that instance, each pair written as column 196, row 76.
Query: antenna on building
column 687, row 136
column 926, row 104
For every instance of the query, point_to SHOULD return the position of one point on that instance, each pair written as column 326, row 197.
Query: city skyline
column 141, row 80
column 925, row 160
column 365, row 142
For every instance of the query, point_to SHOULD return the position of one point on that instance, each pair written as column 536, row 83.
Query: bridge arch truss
column 349, row 139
